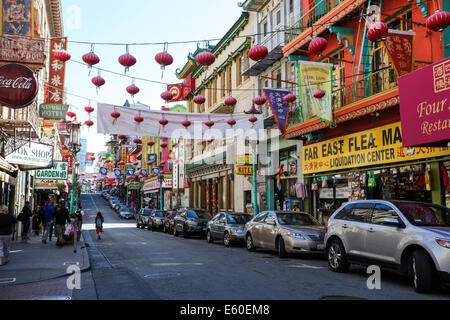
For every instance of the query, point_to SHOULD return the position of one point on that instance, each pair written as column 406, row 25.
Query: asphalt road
column 131, row 263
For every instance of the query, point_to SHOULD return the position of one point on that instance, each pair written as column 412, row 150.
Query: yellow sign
column 244, row 159
column 377, row 146
column 244, row 169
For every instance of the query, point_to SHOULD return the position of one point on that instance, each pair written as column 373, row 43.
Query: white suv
column 412, row 238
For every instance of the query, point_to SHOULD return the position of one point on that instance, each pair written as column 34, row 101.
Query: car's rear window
column 423, row 214
column 159, row 214
column 147, row 212
column 198, row 214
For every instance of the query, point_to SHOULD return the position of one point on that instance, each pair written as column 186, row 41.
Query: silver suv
column 412, row 238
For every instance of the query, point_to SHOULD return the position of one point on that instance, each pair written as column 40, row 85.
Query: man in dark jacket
column 61, row 217
column 25, row 217
column 6, row 223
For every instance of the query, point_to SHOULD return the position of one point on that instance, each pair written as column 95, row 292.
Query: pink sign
column 425, row 104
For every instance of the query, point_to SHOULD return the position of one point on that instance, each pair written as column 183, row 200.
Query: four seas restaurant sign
column 377, row 146
column 425, row 105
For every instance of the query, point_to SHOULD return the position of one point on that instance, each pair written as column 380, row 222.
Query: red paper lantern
column 199, row 99
column 318, row 94
column 259, row 100
column 253, row 119
column 289, row 98
column 88, row 109
column 163, row 122
column 230, row 101
column 121, row 136
column 138, row 119
column 164, row 59
column 186, row 123
column 163, row 144
column 137, row 140
column 167, row 96
column 317, row 45
column 107, row 161
column 93, row 158
column 71, row 114
column 90, row 59
column 438, row 21
column 98, row 81
column 150, row 143
column 377, row 31
column 115, row 114
column 231, row 122
column 89, row 123
column 174, row 145
column 62, row 55
column 210, row 140
column 205, row 58
column 82, row 174
column 164, row 108
column 95, row 176
column 258, row 52
column 121, row 163
column 132, row 89
column 127, row 60
column 209, row 123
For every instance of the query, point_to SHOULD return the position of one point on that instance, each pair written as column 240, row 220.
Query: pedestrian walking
column 36, row 220
column 49, row 213
column 79, row 223
column 99, row 224
column 25, row 217
column 61, row 217
column 6, row 229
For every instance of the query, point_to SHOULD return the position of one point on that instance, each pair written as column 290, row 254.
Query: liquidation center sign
column 376, row 146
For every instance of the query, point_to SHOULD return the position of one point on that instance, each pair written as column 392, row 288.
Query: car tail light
column 326, row 227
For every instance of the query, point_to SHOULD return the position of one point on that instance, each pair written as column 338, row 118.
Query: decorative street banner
column 89, row 155
column 152, row 158
column 103, row 171
column 425, row 104
column 399, row 45
column 313, row 76
column 130, row 172
column 55, row 89
column 53, row 111
column 143, row 172
column 176, row 90
column 376, row 146
column 110, row 156
column 279, row 107
column 59, row 171
column 118, row 173
column 131, row 158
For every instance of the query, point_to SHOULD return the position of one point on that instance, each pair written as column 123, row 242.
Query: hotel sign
column 377, row 146
column 425, row 105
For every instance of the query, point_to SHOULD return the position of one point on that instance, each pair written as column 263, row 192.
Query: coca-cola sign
column 18, row 85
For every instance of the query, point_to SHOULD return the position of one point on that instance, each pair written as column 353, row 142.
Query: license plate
column 320, row 246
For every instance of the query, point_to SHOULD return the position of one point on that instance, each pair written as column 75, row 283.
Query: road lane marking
column 177, row 264
column 302, row 265
column 7, row 280
column 162, row 275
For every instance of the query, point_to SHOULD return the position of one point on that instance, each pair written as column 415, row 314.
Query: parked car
column 284, row 232
column 412, row 238
column 191, row 222
column 113, row 203
column 227, row 227
column 118, row 207
column 142, row 218
column 125, row 213
column 168, row 221
column 156, row 220
column 111, row 199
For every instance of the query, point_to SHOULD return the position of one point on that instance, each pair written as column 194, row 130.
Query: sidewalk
column 35, row 261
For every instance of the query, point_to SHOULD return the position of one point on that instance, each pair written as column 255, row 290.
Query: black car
column 227, row 226
column 142, row 219
column 156, row 220
column 191, row 222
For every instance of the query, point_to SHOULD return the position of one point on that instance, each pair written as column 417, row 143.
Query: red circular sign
column 18, row 85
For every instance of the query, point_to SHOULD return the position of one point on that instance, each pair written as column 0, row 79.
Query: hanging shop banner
column 399, row 45
column 31, row 155
column 59, row 171
column 118, row 173
column 221, row 130
column 152, row 158
column 377, row 146
column 18, row 85
column 103, row 171
column 314, row 76
column 425, row 104
column 188, row 86
column 55, row 89
column 279, row 107
column 53, row 111
column 69, row 159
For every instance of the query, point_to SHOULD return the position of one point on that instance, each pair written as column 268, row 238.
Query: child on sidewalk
column 99, row 224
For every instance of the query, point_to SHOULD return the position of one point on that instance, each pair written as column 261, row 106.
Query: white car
column 125, row 213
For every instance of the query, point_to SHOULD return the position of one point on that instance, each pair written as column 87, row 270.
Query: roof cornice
column 54, row 14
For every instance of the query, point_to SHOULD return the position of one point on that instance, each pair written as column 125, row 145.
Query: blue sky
column 135, row 21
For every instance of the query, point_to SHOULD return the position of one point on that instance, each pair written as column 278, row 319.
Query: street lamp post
column 161, row 179
column 74, row 146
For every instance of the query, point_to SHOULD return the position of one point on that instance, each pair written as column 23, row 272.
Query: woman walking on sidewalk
column 99, row 224
column 6, row 225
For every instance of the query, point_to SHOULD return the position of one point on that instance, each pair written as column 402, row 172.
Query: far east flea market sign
column 376, row 146
column 425, row 104
column 59, row 171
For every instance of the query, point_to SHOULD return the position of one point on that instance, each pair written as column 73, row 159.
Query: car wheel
column 337, row 259
column 175, row 233
column 281, row 248
column 209, row 237
column 227, row 239
column 422, row 272
column 249, row 243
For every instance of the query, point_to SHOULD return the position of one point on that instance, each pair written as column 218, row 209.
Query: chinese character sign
column 57, row 72
column 399, row 46
column 279, row 107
